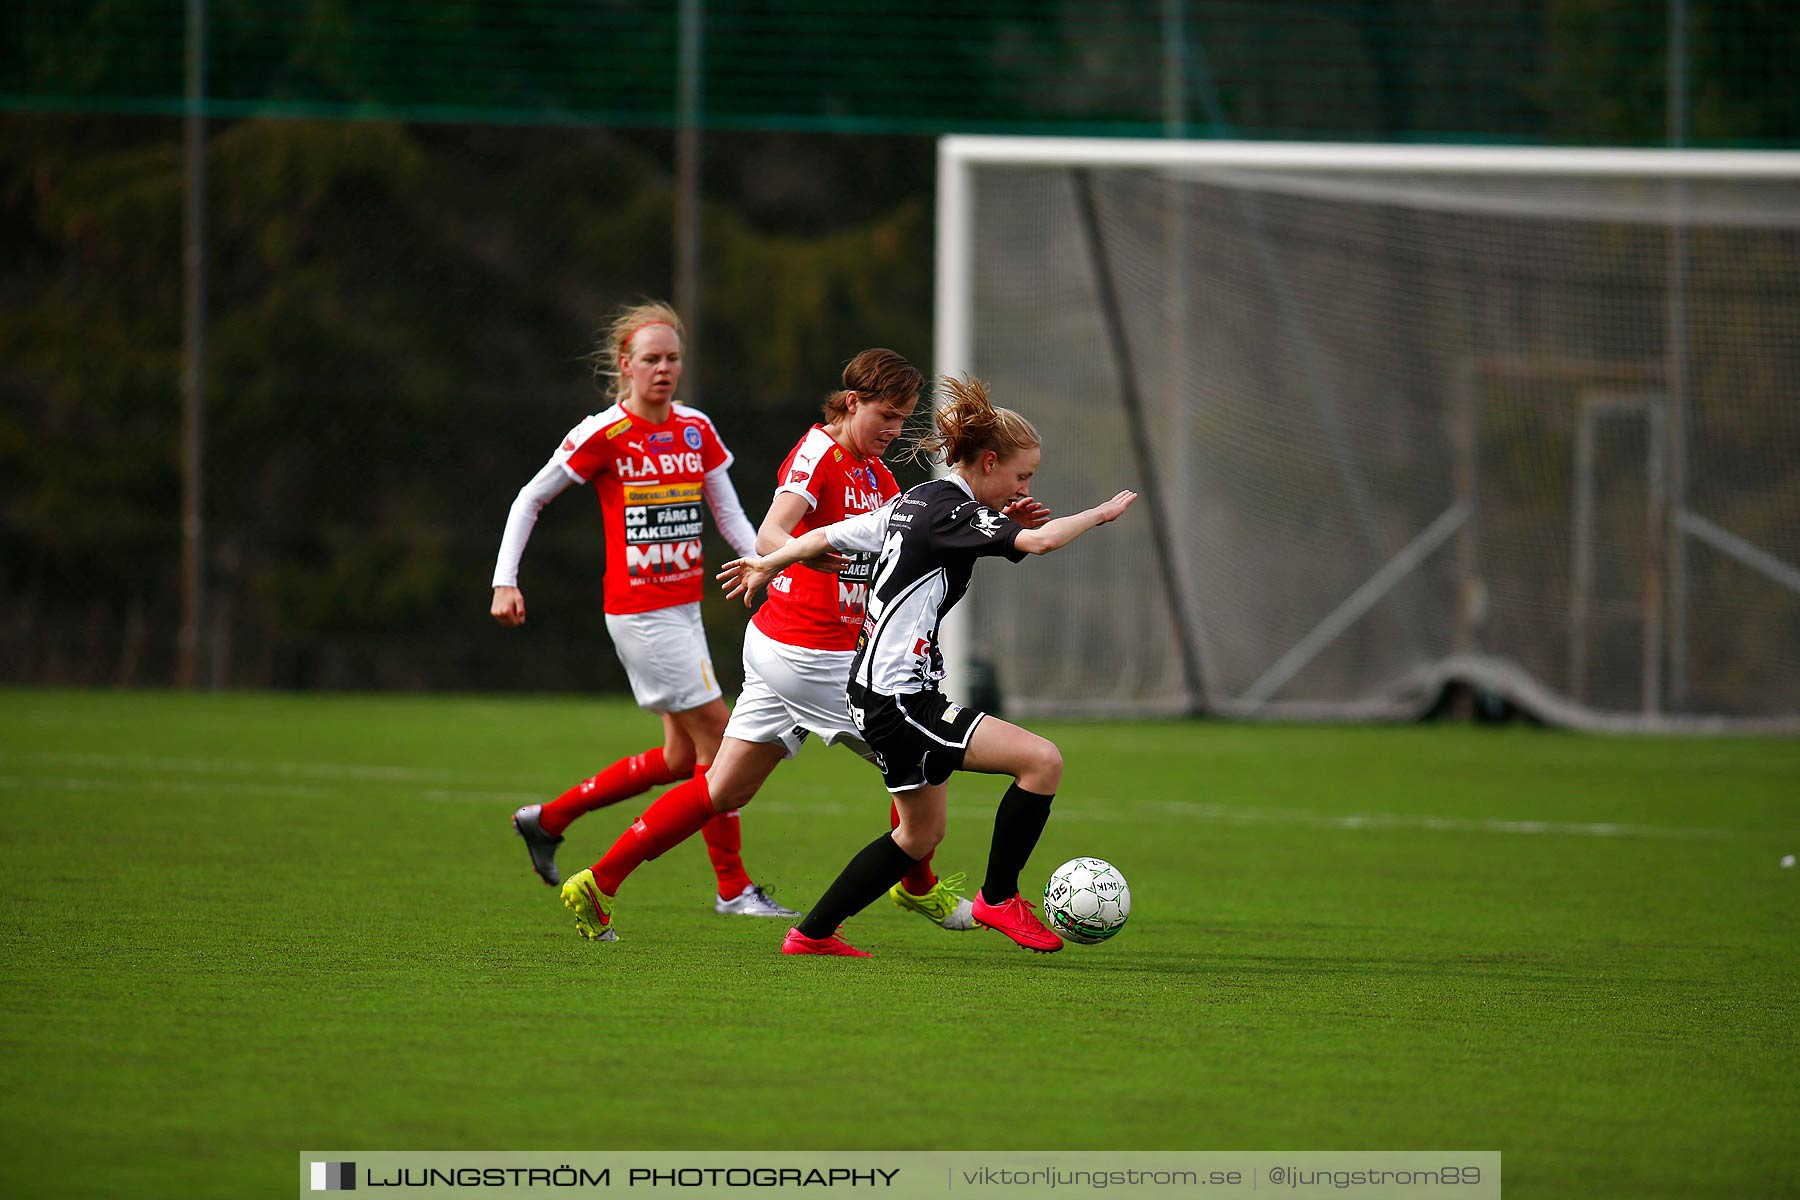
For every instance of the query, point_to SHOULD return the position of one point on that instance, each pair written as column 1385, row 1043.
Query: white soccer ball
column 1087, row 900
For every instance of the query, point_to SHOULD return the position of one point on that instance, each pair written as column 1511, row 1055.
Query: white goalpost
column 1400, row 416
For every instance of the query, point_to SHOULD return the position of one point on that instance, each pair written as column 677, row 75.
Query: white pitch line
column 1129, row 812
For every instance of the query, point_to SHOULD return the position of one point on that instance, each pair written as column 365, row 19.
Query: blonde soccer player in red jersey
column 798, row 649
column 651, row 462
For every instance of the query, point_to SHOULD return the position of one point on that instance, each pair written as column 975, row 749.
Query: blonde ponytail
column 968, row 424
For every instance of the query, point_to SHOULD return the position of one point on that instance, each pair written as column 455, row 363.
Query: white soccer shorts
column 790, row 691
column 665, row 657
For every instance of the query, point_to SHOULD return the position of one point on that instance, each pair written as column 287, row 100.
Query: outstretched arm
column 1053, row 535
column 787, row 511
column 747, row 576
column 862, row 533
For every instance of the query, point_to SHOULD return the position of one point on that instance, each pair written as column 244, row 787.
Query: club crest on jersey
column 986, row 521
column 951, row 712
column 693, row 437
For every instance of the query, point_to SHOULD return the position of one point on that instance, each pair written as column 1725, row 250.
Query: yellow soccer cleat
column 592, row 907
column 942, row 905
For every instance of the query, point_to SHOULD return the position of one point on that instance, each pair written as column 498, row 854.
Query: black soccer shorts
column 919, row 738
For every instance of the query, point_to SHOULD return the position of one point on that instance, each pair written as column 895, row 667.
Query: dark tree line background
column 418, row 214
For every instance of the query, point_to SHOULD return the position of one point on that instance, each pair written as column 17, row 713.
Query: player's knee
column 1043, row 770
column 727, row 793
column 934, row 832
column 919, row 838
column 679, row 759
column 708, row 730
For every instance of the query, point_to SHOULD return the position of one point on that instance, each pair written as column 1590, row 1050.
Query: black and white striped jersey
column 927, row 539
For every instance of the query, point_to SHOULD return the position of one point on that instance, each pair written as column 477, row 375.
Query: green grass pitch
column 241, row 926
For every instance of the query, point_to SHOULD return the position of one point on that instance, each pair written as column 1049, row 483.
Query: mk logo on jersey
column 852, row 597
column 662, row 558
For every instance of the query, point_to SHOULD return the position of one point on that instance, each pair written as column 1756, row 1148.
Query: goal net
column 1528, row 420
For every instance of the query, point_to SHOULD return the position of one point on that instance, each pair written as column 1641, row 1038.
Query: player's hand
column 509, row 606
column 830, row 562
column 745, row 577
column 1113, row 509
column 1028, row 511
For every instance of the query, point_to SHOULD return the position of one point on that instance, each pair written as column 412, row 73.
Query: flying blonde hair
column 968, row 423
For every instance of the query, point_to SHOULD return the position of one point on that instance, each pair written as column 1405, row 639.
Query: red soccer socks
column 624, row 779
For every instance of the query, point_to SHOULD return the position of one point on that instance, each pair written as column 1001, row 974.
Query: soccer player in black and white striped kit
column 928, row 539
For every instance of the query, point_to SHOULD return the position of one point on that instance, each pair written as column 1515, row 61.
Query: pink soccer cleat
column 798, row 943
column 1017, row 921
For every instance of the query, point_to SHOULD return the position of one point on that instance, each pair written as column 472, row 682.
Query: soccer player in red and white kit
column 651, row 462
column 797, row 651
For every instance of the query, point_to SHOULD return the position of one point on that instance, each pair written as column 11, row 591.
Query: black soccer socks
column 875, row 869
column 1017, row 826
